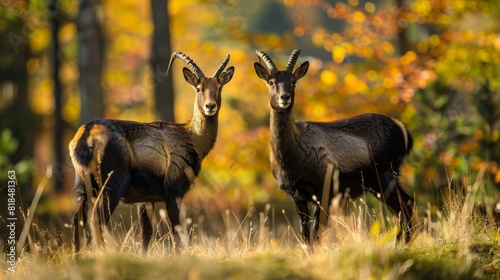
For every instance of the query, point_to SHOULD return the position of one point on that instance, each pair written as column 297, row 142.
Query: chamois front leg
column 398, row 201
column 404, row 203
column 316, row 212
column 146, row 227
column 173, row 215
column 304, row 218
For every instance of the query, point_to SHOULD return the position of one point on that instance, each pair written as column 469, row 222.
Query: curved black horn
column 222, row 66
column 189, row 62
column 293, row 59
column 269, row 62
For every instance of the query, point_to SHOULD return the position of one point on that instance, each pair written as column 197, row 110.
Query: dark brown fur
column 366, row 150
column 151, row 162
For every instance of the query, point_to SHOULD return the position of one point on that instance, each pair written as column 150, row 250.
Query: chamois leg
column 316, row 212
column 304, row 218
column 405, row 202
column 110, row 199
column 113, row 188
column 398, row 201
column 77, row 228
column 173, row 215
column 79, row 221
column 146, row 228
column 80, row 217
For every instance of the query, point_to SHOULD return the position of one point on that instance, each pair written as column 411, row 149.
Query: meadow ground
column 453, row 242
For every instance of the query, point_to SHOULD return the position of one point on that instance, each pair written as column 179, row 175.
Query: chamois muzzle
column 210, row 108
column 285, row 100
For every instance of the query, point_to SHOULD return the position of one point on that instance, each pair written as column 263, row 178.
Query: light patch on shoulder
column 403, row 130
column 98, row 138
column 79, row 169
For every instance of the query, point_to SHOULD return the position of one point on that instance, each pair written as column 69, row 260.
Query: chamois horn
column 293, row 59
column 189, row 62
column 222, row 66
column 269, row 62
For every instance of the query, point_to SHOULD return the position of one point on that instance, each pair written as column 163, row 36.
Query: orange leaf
column 497, row 177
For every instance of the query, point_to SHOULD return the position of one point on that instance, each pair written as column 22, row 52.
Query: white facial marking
column 210, row 112
column 283, row 104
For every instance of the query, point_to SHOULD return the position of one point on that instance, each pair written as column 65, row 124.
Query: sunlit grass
column 452, row 242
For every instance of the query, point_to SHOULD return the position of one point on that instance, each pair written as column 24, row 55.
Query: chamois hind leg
column 80, row 217
column 304, row 218
column 115, row 178
column 146, row 228
column 109, row 200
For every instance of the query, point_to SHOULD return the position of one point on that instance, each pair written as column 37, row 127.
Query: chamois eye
column 271, row 83
column 198, row 89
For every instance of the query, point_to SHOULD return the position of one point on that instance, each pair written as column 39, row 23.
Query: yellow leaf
column 375, row 229
column 319, row 110
column 328, row 77
column 350, row 79
column 390, row 235
column 371, row 75
column 273, row 40
column 40, row 39
column 408, row 58
column 434, row 40
column 42, row 102
column 388, row 83
column 387, row 48
column 358, row 17
column 67, row 32
column 338, row 54
column 495, row 135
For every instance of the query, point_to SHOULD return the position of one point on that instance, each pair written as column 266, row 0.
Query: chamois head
column 208, row 89
column 281, row 84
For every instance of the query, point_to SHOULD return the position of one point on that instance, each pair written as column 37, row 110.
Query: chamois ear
column 226, row 76
column 190, row 77
column 261, row 71
column 301, row 70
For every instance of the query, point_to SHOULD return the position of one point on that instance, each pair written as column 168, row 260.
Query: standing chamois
column 365, row 151
column 150, row 162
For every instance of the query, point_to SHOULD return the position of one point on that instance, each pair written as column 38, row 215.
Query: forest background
column 433, row 64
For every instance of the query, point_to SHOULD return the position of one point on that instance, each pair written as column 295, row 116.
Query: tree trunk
column 90, row 54
column 404, row 44
column 59, row 122
column 160, row 55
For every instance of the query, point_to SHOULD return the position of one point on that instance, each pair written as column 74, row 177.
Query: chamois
column 365, row 151
column 151, row 162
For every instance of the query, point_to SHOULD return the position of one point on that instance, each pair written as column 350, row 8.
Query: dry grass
column 452, row 242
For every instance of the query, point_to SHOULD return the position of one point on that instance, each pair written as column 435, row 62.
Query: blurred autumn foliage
column 434, row 64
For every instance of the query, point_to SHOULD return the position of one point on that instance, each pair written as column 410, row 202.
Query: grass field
column 454, row 242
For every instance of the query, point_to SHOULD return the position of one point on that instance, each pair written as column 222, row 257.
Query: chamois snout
column 210, row 108
column 285, row 100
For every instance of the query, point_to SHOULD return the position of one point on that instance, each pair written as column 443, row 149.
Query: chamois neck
column 283, row 131
column 203, row 131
